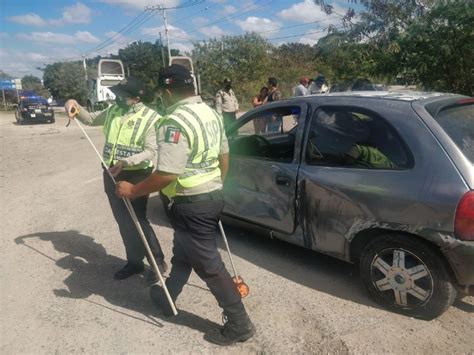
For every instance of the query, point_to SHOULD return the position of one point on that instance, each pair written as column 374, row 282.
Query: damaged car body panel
column 361, row 167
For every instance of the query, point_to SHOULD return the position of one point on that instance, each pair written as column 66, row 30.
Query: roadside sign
column 18, row 84
column 7, row 84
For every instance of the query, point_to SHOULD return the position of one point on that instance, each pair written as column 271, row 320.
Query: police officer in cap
column 129, row 152
column 191, row 167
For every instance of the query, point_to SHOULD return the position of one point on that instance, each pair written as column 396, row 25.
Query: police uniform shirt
column 98, row 119
column 174, row 153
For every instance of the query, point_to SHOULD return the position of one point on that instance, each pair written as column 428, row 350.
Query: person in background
column 226, row 103
column 302, row 88
column 274, row 122
column 259, row 123
column 318, row 85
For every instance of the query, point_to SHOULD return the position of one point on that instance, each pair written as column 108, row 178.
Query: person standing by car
column 302, row 88
column 226, row 103
column 274, row 122
column 259, row 123
column 129, row 152
column 191, row 167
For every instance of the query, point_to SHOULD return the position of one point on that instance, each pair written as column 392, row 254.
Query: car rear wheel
column 407, row 276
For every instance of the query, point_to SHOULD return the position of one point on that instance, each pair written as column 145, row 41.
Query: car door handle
column 281, row 180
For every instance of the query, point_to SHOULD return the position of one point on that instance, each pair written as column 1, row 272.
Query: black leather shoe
column 128, row 270
column 159, row 299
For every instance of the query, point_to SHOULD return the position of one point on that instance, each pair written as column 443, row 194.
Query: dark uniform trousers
column 195, row 248
column 131, row 239
column 229, row 119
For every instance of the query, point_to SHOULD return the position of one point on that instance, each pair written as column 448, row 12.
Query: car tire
column 406, row 275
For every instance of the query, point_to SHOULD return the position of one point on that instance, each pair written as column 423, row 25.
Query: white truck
column 110, row 72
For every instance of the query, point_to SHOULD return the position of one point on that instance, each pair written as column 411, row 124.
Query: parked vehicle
column 34, row 109
column 379, row 179
column 110, row 72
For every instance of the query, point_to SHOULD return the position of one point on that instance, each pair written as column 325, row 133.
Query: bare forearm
column 155, row 182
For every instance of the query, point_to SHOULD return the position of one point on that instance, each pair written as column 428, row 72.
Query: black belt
column 209, row 196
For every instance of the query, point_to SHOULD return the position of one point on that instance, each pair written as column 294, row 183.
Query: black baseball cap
column 130, row 87
column 175, row 76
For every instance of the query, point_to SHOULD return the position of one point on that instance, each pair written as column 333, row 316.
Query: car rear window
column 458, row 122
column 36, row 102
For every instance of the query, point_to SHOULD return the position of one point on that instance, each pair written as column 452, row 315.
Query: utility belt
column 208, row 196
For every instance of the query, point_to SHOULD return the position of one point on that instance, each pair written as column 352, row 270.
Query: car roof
column 392, row 95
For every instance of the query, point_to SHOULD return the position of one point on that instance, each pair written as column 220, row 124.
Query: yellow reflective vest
column 128, row 138
column 204, row 129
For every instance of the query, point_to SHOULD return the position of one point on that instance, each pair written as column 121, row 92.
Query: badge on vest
column 172, row 135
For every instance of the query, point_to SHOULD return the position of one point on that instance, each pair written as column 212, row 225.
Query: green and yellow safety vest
column 128, row 138
column 204, row 129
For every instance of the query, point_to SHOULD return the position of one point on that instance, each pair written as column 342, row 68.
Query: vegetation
column 427, row 43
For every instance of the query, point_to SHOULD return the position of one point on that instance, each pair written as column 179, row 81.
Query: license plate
column 32, row 115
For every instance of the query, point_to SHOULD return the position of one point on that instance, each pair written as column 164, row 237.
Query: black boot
column 237, row 327
column 160, row 300
column 128, row 270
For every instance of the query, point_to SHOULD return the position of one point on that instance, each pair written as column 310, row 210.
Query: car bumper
column 37, row 117
column 461, row 259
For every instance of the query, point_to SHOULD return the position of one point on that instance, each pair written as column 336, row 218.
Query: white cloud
column 312, row 37
column 78, row 13
column 212, row 31
column 308, row 11
column 182, row 47
column 200, row 21
column 258, row 24
column 228, row 10
column 52, row 37
column 18, row 63
column 173, row 31
column 141, row 4
column 28, row 19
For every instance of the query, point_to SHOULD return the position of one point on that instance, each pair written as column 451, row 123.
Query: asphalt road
column 60, row 247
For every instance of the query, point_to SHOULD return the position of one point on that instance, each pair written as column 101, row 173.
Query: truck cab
column 110, row 72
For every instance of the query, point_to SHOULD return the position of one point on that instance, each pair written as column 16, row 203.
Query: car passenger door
column 264, row 159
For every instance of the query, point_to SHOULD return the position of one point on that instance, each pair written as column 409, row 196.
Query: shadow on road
column 91, row 274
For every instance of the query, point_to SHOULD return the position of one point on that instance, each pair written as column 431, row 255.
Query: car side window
column 269, row 134
column 349, row 137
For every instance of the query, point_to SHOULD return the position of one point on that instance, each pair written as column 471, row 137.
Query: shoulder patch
column 172, row 135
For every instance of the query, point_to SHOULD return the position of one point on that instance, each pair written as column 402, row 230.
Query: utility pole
column 165, row 20
column 166, row 34
column 162, row 51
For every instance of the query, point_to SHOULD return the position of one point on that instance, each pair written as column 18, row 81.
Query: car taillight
column 464, row 221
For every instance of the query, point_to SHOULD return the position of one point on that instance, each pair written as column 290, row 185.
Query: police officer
column 192, row 165
column 226, row 103
column 129, row 152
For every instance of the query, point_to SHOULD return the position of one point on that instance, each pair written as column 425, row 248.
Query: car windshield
column 36, row 101
column 458, row 123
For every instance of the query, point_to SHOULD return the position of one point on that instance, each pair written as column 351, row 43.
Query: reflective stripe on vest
column 126, row 139
column 204, row 132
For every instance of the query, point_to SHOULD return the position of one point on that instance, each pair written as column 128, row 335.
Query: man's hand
column 117, row 168
column 124, row 189
column 69, row 105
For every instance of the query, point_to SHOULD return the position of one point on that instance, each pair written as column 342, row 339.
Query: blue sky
column 38, row 32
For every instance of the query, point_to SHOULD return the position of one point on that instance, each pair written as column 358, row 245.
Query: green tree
column 144, row 60
column 66, row 80
column 245, row 59
column 33, row 83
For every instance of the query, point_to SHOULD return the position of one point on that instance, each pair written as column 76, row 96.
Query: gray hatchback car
column 384, row 180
